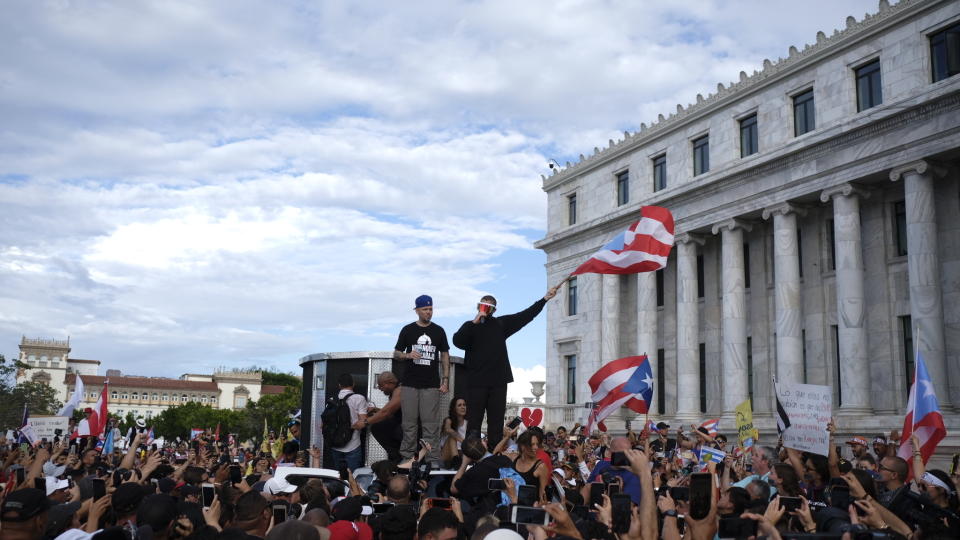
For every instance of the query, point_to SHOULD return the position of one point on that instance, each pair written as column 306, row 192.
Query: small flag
column 783, row 419
column 712, row 427
column 923, row 418
column 711, row 455
column 108, row 442
column 652, row 428
column 74, row 401
column 27, row 435
column 195, row 432
column 149, row 436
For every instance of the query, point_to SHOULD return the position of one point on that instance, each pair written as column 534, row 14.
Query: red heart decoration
column 531, row 417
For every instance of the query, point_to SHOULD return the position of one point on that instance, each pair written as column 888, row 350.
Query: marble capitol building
column 817, row 208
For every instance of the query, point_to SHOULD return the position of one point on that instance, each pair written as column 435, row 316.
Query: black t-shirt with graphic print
column 430, row 341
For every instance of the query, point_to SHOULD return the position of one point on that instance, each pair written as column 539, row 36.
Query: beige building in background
column 50, row 363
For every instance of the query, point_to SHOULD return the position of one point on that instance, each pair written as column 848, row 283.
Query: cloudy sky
column 193, row 184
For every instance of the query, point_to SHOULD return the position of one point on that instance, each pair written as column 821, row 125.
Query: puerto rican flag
column 626, row 382
column 652, row 428
column 712, row 427
column 923, row 417
column 643, row 247
column 98, row 419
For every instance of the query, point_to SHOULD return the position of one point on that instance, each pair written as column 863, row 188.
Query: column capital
column 684, row 238
column 732, row 224
column 846, row 189
column 921, row 166
column 783, row 209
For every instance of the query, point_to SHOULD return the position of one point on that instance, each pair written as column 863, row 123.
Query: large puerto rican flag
column 923, row 417
column 627, row 382
column 643, row 247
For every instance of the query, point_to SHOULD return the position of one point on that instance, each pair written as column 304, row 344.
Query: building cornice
column 772, row 72
column 938, row 101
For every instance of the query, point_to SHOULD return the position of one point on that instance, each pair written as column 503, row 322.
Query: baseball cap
column 24, row 504
column 127, row 497
column 879, row 439
column 59, row 518
column 278, row 485
column 423, row 301
column 53, row 484
column 350, row 509
column 857, row 440
column 49, row 469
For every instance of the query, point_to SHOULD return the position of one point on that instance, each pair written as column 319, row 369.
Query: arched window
column 213, row 399
column 154, row 396
column 124, row 396
column 183, row 398
column 203, row 399
column 166, row 397
column 113, row 395
column 133, row 396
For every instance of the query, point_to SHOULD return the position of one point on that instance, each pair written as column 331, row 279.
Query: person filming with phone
column 484, row 341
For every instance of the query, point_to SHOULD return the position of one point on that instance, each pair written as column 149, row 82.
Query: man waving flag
column 643, row 247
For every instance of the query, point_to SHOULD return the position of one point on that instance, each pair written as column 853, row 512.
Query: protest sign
column 45, row 427
column 809, row 408
column 746, row 433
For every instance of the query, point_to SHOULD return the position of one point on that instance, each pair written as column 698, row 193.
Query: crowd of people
column 656, row 484
column 445, row 479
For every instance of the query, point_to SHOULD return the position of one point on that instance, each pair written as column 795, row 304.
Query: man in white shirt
column 350, row 455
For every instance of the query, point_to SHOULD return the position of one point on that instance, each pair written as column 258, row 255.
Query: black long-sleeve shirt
column 485, row 344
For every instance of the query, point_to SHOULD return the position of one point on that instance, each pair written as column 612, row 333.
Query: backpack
column 337, row 426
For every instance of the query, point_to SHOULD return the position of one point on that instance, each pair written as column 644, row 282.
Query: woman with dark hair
column 785, row 480
column 940, row 488
column 531, row 468
column 454, row 430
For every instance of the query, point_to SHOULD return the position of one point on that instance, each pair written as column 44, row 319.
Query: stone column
column 688, row 328
column 647, row 315
column 923, row 267
column 851, row 305
column 610, row 318
column 647, row 325
column 786, row 266
column 734, row 323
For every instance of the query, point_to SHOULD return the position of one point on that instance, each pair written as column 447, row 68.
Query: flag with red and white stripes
column 643, row 247
column 923, row 419
column 625, row 382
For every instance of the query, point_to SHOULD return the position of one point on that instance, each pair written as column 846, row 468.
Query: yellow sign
column 746, row 433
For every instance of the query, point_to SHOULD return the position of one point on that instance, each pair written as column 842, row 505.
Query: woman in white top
column 454, row 430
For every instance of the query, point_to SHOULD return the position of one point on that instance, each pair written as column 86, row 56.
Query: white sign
column 44, row 427
column 809, row 408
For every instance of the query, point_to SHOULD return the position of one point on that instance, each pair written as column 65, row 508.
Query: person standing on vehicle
column 484, row 340
column 422, row 343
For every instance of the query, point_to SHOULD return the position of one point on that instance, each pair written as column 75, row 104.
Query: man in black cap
column 62, row 517
column 422, row 344
column 24, row 515
column 663, row 442
column 125, row 501
column 484, row 340
column 158, row 512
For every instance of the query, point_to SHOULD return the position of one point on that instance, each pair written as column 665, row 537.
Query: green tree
column 38, row 397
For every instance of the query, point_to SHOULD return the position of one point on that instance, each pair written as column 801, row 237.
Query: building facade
column 50, row 363
column 817, row 209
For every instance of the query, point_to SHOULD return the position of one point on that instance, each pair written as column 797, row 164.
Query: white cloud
column 520, row 387
column 222, row 181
